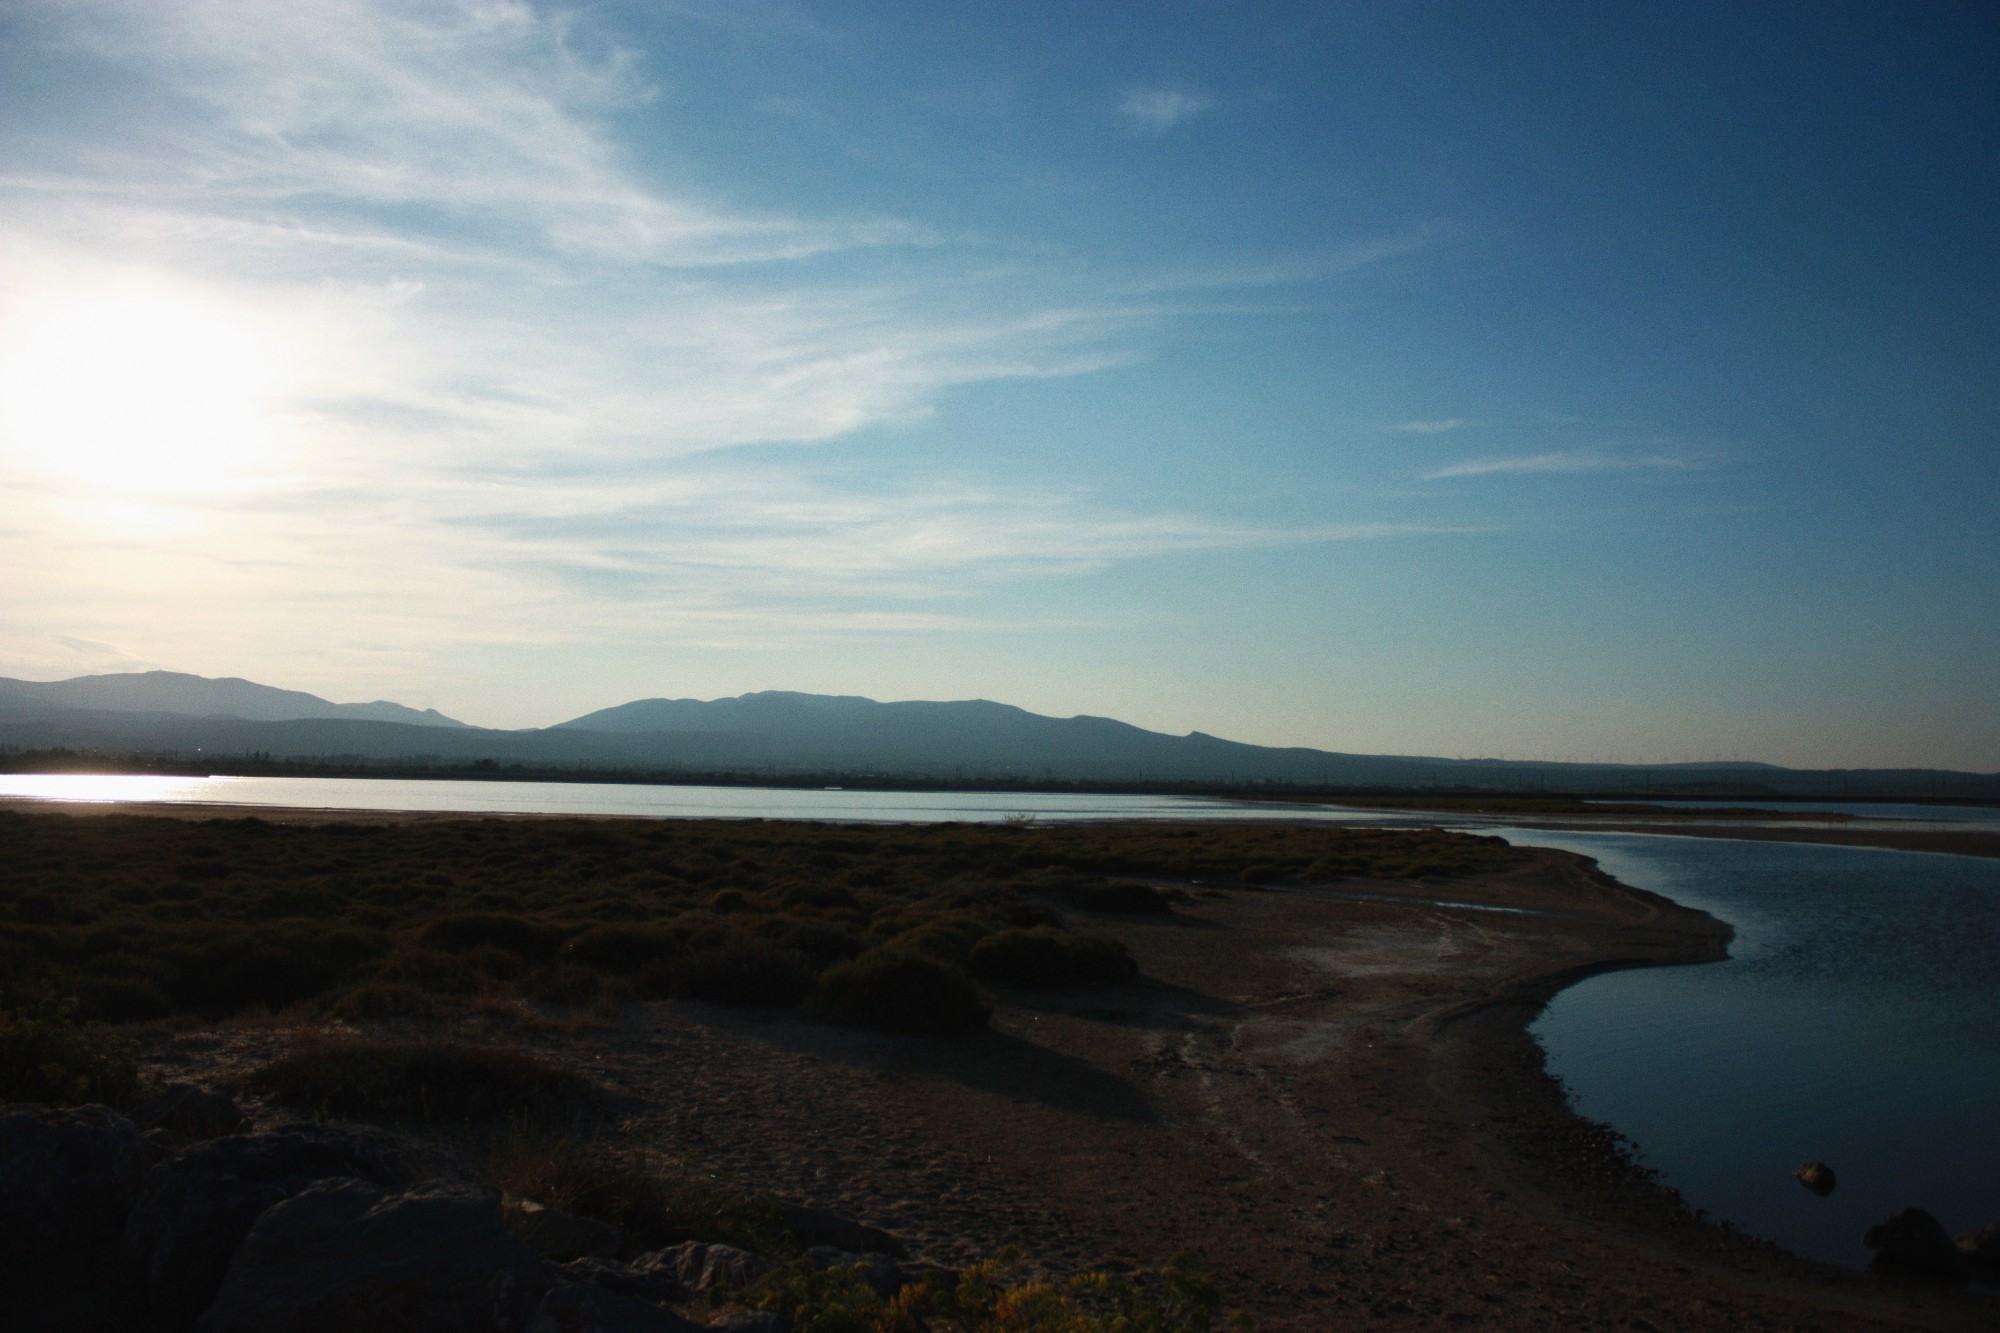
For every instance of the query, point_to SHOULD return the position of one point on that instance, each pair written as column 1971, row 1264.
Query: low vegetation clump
column 654, row 1203
column 418, row 1082
column 140, row 919
column 900, row 990
column 1045, row 957
column 1182, row 1299
column 47, row 1056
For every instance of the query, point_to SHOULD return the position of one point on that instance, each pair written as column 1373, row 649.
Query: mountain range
column 777, row 734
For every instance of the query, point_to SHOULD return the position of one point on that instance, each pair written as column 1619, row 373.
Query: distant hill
column 777, row 735
column 198, row 696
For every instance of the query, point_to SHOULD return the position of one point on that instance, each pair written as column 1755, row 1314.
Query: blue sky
column 1593, row 380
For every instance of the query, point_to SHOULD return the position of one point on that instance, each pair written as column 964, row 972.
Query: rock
column 650, row 1278
column 67, row 1178
column 1981, row 1249
column 1817, row 1177
column 559, row 1236
column 1912, row 1243
column 702, row 1267
column 817, row 1226
column 344, row 1255
column 197, row 1207
column 190, row 1114
column 583, row 1308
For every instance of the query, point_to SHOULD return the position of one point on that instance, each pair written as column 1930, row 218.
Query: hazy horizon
column 1555, row 381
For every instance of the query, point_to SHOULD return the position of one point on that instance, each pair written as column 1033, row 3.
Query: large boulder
column 1981, row 1249
column 343, row 1255
column 67, row 1178
column 1914, row 1244
column 197, row 1207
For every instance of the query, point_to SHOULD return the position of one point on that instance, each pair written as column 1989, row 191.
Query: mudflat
column 1322, row 1083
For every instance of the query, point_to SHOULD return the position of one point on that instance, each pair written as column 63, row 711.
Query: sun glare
column 138, row 391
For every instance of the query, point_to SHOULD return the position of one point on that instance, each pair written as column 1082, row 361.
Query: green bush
column 1045, row 957
column 1124, row 896
column 121, row 999
column 466, row 931
column 418, row 1081
column 949, row 939
column 47, row 1056
column 895, row 990
column 818, row 945
column 744, row 972
column 623, row 949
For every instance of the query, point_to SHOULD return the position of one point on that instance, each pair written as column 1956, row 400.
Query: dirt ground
column 1332, row 1097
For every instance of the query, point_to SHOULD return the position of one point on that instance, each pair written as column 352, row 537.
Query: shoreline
column 1950, row 842
column 1335, row 1099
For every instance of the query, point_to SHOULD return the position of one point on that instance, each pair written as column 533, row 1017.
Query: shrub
column 745, row 972
column 377, row 1000
column 949, row 939
column 1113, row 896
column 121, row 999
column 623, row 949
column 818, row 945
column 654, row 1205
column 467, row 931
column 895, row 990
column 1045, row 957
column 47, row 1056
column 418, row 1081
column 817, row 895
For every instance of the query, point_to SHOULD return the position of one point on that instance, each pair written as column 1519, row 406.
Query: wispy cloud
column 1438, row 427
column 1563, row 461
column 526, row 385
column 1157, row 110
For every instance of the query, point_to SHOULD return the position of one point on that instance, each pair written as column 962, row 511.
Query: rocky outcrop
column 1817, row 1177
column 342, row 1255
column 651, row 1277
column 67, row 1178
column 197, row 1207
column 1981, row 1249
column 1912, row 1243
column 703, row 1267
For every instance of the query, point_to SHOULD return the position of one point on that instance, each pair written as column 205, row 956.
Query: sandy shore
column 1331, row 1096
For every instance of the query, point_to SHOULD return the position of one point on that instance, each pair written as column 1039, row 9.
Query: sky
column 1593, row 380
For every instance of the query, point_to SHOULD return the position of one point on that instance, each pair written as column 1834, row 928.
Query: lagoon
column 1857, row 1021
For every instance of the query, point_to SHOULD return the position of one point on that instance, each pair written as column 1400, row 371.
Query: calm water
column 607, row 798
column 1857, row 1022
column 1975, row 816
